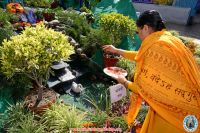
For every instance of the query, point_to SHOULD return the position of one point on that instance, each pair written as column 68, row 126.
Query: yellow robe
column 168, row 79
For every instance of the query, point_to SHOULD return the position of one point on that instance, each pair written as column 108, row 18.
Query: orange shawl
column 167, row 77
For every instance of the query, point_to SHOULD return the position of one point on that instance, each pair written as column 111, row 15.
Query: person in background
column 167, row 77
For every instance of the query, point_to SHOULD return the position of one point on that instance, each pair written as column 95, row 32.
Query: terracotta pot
column 49, row 16
column 49, row 97
column 110, row 60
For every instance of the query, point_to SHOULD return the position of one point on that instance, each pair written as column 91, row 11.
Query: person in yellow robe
column 167, row 77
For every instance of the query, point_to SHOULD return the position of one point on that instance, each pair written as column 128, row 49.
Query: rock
column 46, row 23
column 72, row 42
column 79, row 51
column 69, row 38
column 83, row 14
column 33, row 25
column 54, row 22
column 63, row 32
column 60, row 28
column 76, row 45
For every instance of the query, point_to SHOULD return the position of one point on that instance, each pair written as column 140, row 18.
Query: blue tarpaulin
column 188, row 4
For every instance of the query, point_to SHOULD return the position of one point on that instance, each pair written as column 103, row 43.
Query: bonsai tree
column 117, row 26
column 32, row 53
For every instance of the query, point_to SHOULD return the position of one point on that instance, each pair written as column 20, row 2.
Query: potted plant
column 32, row 53
column 116, row 26
column 48, row 14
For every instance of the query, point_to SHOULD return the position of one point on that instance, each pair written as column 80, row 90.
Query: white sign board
column 117, row 92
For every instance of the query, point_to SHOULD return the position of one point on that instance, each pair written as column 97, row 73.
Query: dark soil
column 48, row 97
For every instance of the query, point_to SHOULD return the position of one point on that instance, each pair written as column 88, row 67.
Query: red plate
column 115, row 71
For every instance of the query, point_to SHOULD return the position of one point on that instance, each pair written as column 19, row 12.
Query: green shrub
column 59, row 118
column 15, row 113
column 98, row 118
column 98, row 98
column 119, row 122
column 142, row 113
column 187, row 41
column 117, row 26
column 6, row 18
column 93, row 41
column 32, row 52
column 27, row 125
column 20, row 120
column 85, row 9
column 6, row 29
column 5, row 33
column 75, row 24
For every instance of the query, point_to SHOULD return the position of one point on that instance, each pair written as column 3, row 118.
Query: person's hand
column 122, row 80
column 109, row 48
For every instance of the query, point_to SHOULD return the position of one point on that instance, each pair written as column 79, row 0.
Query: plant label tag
column 117, row 92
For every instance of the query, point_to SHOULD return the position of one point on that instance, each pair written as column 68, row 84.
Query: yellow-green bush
column 33, row 51
column 117, row 26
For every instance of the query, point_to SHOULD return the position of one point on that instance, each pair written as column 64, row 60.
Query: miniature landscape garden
column 51, row 66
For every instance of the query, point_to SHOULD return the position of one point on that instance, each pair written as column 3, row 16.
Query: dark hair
column 151, row 18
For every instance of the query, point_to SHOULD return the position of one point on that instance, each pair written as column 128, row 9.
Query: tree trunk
column 40, row 91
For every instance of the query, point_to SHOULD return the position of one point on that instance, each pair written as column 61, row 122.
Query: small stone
column 79, row 50
column 73, row 42
column 61, row 101
column 54, row 22
column 76, row 44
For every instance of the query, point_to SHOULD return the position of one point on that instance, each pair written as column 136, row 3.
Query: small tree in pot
column 32, row 53
column 117, row 26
